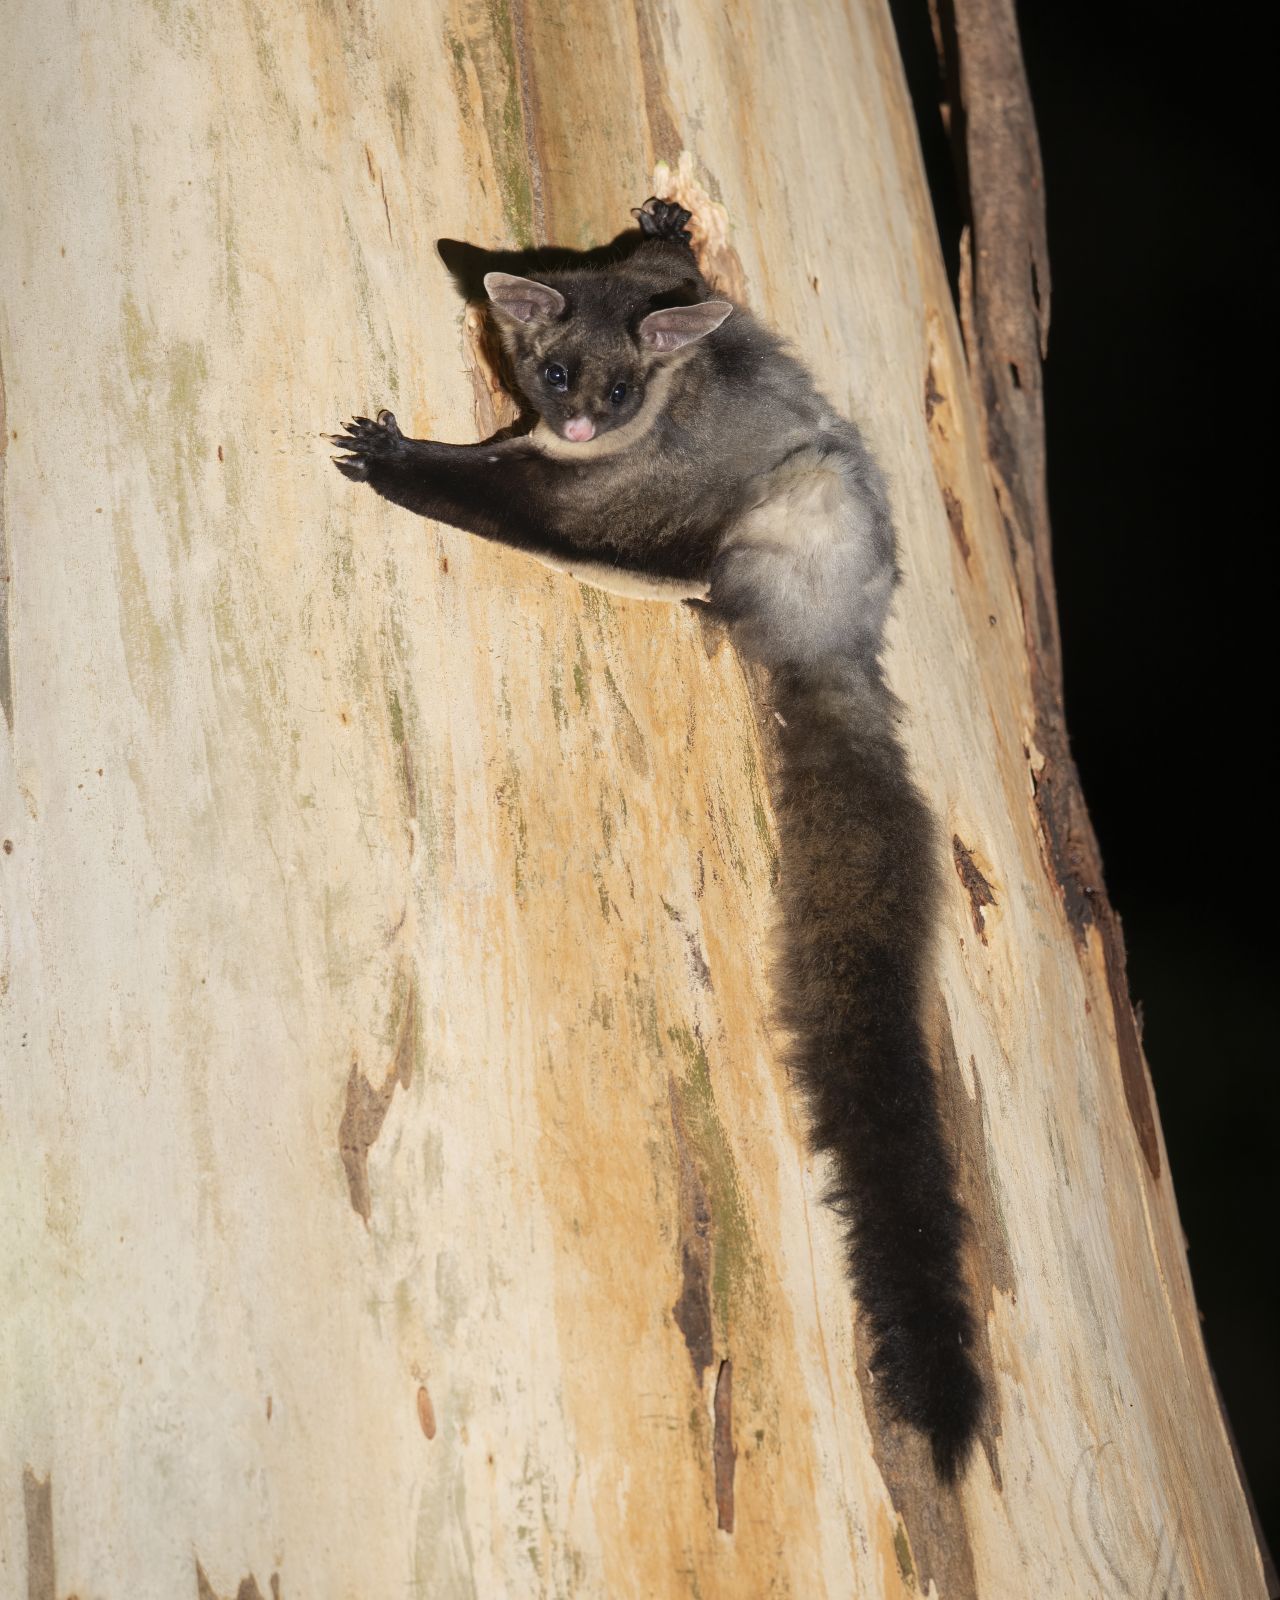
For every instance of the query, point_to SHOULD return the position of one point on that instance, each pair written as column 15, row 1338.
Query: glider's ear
column 676, row 326
column 522, row 299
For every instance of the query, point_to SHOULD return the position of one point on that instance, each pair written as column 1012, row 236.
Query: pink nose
column 579, row 429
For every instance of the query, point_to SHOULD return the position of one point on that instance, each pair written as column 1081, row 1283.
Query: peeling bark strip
column 975, row 885
column 708, row 227
column 724, row 1453
column 692, row 1311
column 1006, row 329
column 1075, row 860
column 1004, row 310
column 366, row 1107
column 37, row 1502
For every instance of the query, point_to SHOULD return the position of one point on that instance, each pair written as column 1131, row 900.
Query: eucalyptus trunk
column 402, row 1191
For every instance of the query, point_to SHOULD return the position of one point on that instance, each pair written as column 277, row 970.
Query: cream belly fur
column 806, row 557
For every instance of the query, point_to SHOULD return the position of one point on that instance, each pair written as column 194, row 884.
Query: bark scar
column 37, row 1503
column 724, row 1452
column 975, row 885
column 1004, row 296
column 366, row 1107
column 248, row 1589
column 426, row 1412
column 692, row 1311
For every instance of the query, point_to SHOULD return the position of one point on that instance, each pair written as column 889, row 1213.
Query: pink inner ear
column 525, row 299
column 677, row 326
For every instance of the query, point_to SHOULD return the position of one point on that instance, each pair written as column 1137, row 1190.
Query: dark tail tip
column 955, row 1427
column 931, row 1382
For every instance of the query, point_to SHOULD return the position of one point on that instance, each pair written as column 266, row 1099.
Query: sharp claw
column 663, row 219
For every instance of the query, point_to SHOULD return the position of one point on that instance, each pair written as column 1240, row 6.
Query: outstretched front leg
column 490, row 490
column 506, row 491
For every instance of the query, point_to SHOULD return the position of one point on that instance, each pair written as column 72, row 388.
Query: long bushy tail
column 859, row 890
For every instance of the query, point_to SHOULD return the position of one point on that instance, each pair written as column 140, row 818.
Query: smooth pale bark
column 402, row 1192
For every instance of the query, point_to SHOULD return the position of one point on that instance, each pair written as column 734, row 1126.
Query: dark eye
column 618, row 393
column 556, row 376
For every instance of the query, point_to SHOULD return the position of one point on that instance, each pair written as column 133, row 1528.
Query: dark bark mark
column 724, row 1452
column 955, row 516
column 426, row 1412
column 937, row 409
column 941, row 447
column 248, row 1589
column 664, row 136
column 6, row 661
column 902, row 1550
column 1133, row 1069
column 362, row 1120
column 697, row 961
column 366, row 1107
column 37, row 1501
column 1075, row 860
column 975, row 885
column 1005, row 302
column 699, row 971
column 692, row 1311
column 933, row 396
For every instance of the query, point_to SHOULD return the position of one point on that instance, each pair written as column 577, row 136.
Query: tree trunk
column 402, row 1191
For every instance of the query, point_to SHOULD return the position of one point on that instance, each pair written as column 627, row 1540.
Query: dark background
column 1159, row 405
